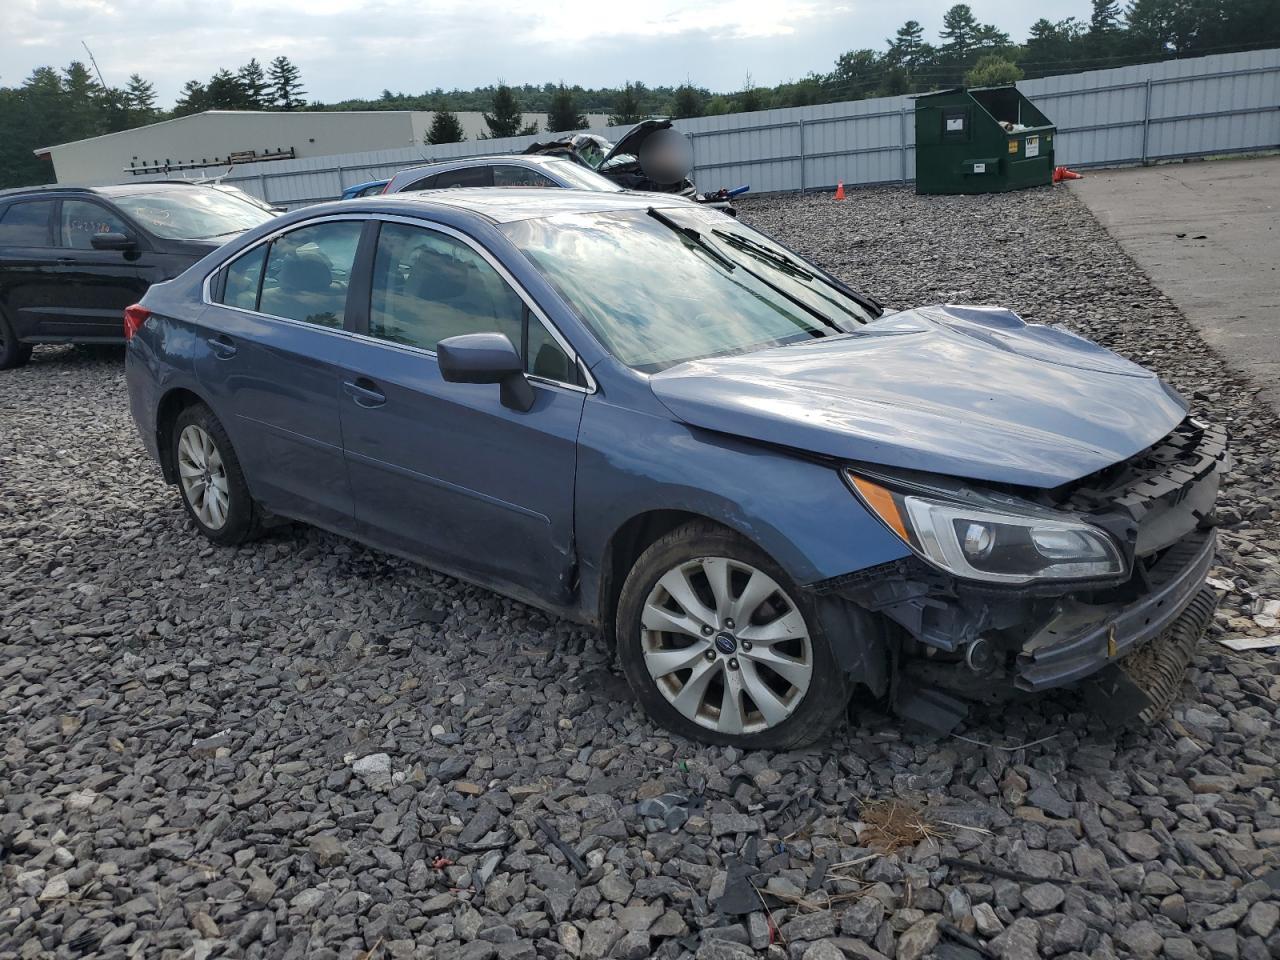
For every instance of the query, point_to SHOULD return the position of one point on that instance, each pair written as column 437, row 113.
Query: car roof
column 107, row 190
column 516, row 159
column 509, row 204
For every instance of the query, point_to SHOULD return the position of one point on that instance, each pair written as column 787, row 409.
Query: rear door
column 96, row 285
column 443, row 470
column 269, row 354
column 30, row 287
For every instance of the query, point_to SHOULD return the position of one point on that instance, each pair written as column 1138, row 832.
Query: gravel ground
column 306, row 749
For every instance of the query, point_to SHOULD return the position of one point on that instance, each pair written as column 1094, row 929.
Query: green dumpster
column 981, row 140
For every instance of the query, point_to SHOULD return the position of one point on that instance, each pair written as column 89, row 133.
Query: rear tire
column 721, row 646
column 12, row 352
column 210, row 482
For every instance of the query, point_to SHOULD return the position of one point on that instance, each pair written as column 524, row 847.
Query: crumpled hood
column 970, row 392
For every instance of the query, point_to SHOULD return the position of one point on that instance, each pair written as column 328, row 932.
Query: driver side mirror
column 112, row 241
column 486, row 358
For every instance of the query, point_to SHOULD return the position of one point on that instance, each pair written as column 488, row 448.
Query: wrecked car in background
column 652, row 156
column 636, row 412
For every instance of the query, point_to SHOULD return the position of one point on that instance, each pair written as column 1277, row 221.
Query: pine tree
column 83, row 100
column 687, row 102
column 286, row 83
column 194, row 99
column 225, row 92
column 563, row 113
column 751, row 97
column 257, row 91
column 959, row 30
column 140, row 99
column 506, row 119
column 627, row 106
column 1105, row 17
column 445, row 127
column 907, row 44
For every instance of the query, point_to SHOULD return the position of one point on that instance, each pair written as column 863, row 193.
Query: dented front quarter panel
column 634, row 459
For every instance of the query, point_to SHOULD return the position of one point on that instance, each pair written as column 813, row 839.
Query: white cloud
column 356, row 48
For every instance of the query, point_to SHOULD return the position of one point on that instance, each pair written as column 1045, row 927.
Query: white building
column 207, row 143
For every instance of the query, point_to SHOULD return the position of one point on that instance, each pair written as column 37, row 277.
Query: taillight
column 134, row 317
column 385, row 187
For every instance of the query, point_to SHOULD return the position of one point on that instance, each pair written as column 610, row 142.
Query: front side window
column 509, row 175
column 428, row 286
column 197, row 213
column 308, row 271
column 81, row 219
column 26, row 224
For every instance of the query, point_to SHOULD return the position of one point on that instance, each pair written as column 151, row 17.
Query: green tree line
column 54, row 106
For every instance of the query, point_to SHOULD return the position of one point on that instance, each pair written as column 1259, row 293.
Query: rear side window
column 512, row 176
column 81, row 219
column 308, row 271
column 26, row 224
column 244, row 277
column 466, row 177
column 426, row 183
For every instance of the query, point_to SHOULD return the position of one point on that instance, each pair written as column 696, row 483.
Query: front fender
column 797, row 510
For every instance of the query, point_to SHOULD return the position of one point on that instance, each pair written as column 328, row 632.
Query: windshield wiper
column 693, row 235
column 779, row 260
column 791, row 267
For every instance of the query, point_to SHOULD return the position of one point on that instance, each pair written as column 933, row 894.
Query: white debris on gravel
column 208, row 699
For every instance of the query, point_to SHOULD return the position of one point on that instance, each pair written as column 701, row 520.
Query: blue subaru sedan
column 642, row 414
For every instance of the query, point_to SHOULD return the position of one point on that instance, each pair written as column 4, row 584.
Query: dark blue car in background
column 642, row 414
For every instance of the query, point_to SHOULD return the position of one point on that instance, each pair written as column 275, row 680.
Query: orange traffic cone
column 839, row 189
column 1062, row 173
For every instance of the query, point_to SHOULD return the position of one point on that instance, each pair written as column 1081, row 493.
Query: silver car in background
column 506, row 170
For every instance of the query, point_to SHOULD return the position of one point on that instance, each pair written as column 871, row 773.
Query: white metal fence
column 1222, row 104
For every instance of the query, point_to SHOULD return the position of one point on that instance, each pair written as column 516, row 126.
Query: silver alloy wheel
column 203, row 476
column 726, row 646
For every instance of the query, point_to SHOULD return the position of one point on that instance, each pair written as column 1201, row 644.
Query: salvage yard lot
column 179, row 722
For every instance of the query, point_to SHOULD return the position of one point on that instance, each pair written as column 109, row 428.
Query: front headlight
column 992, row 542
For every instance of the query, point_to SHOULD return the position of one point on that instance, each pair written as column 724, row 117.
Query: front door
column 95, row 285
column 269, row 355
column 442, row 470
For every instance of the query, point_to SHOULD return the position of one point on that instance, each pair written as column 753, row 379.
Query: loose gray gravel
column 277, row 751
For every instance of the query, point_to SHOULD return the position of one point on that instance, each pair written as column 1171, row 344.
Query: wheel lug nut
column 728, row 623
column 711, row 654
column 706, row 631
column 733, row 663
column 746, row 644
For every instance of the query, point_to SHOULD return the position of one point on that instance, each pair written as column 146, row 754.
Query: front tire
column 210, row 481
column 13, row 353
column 720, row 645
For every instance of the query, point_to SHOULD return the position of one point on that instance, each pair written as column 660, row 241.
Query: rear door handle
column 223, row 346
column 65, row 261
column 364, row 392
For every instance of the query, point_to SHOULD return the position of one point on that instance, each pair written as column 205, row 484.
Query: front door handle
column 65, row 261
column 364, row 392
column 223, row 347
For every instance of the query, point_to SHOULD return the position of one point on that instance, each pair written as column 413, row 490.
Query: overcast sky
column 350, row 48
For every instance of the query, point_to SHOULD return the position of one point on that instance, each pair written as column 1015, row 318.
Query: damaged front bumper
column 1084, row 637
column 985, row 641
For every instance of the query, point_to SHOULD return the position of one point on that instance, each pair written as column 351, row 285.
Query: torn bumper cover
column 981, row 640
